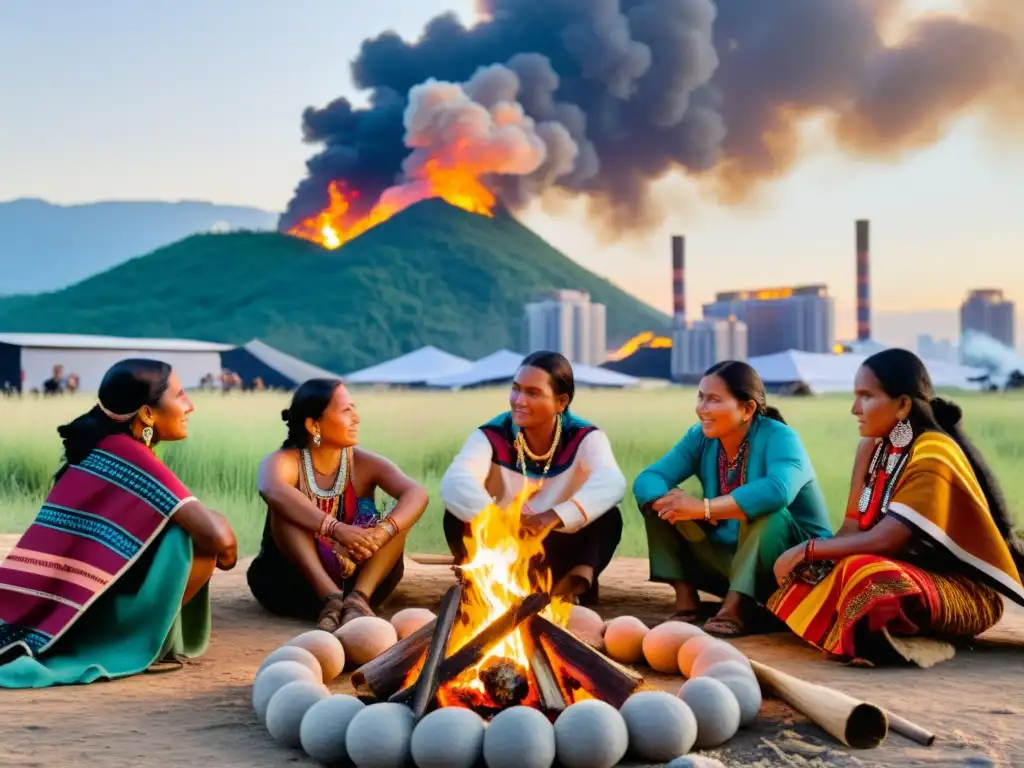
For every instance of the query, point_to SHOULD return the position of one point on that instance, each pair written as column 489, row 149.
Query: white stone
column 747, row 692
column 519, row 737
column 716, row 710
column 380, row 736
column 288, row 706
column 590, row 734
column 696, row 761
column 322, row 733
column 366, row 638
column 272, row 678
column 408, row 620
column 451, row 737
column 661, row 645
column 292, row 653
column 661, row 726
column 715, row 653
column 327, row 649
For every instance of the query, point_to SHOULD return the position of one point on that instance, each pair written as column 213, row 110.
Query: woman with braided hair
column 927, row 547
column 759, row 496
column 328, row 551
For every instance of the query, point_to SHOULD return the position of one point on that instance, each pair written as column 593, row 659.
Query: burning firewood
column 426, row 683
column 473, row 652
column 505, row 683
column 578, row 666
column 381, row 677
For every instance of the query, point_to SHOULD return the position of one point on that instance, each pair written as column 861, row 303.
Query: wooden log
column 426, row 683
column 577, row 665
column 475, row 650
column 379, row 678
column 853, row 722
column 544, row 678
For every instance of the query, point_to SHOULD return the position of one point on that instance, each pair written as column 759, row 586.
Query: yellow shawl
column 939, row 497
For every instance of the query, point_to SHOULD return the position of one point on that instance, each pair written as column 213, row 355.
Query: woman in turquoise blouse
column 760, row 498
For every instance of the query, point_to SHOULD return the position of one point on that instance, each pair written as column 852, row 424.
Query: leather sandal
column 356, row 606
column 331, row 613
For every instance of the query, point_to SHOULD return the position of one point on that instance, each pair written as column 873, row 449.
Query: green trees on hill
column 433, row 274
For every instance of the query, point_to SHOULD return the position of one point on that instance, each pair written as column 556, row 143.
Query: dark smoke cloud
column 715, row 88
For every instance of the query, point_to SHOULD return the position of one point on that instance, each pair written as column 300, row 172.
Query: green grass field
column 422, row 431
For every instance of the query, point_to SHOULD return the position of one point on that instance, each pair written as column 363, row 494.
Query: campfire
column 499, row 639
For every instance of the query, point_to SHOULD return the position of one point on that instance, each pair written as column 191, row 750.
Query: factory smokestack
column 863, row 280
column 678, row 281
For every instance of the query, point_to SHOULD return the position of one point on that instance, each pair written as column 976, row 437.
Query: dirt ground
column 202, row 715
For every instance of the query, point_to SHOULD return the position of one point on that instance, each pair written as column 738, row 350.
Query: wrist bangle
column 707, row 510
column 809, row 551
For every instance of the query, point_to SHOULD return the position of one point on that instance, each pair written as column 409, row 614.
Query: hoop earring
column 147, row 435
column 902, row 434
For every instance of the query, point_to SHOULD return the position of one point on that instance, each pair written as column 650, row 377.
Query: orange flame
column 458, row 186
column 501, row 569
column 644, row 339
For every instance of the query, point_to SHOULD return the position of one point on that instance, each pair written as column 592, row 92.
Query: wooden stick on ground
column 912, row 731
column 382, row 676
column 855, row 723
column 426, row 683
column 473, row 651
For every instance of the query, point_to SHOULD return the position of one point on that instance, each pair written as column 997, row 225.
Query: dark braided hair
column 902, row 374
column 744, row 383
column 309, row 402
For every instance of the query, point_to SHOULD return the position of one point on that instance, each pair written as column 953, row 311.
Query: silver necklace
column 339, row 481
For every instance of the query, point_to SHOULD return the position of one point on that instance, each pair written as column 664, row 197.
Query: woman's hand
column 677, row 506
column 381, row 535
column 538, row 523
column 359, row 541
column 787, row 561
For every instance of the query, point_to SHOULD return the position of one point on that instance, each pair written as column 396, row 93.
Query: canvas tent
column 412, row 369
column 276, row 369
column 835, row 373
column 27, row 359
column 501, row 366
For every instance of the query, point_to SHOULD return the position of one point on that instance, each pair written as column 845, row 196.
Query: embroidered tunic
column 583, row 483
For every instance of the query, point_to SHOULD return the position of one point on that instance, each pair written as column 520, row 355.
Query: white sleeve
column 463, row 488
column 604, row 488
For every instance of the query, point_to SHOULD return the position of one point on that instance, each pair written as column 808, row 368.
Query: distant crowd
column 61, row 383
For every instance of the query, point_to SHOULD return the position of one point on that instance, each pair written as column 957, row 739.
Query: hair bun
column 948, row 414
column 285, row 415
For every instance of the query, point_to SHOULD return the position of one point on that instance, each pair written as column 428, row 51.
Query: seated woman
column 575, row 507
column 760, row 497
column 927, row 547
column 327, row 551
column 112, row 575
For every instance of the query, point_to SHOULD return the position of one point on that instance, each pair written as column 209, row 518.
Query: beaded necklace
column 339, row 482
column 523, row 450
column 864, row 502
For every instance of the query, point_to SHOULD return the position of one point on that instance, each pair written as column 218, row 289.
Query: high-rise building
column 780, row 319
column 569, row 323
column 930, row 348
column 698, row 345
column 988, row 311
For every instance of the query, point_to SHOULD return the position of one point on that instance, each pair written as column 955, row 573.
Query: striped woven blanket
column 96, row 522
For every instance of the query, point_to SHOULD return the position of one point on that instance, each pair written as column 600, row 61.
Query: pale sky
column 188, row 99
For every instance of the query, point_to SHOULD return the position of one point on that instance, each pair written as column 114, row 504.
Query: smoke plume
column 601, row 98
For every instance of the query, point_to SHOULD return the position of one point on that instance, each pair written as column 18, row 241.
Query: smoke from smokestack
column 713, row 88
column 863, row 280
column 679, row 280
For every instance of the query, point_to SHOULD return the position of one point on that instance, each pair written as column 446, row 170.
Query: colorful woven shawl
column 501, row 432
column 97, row 520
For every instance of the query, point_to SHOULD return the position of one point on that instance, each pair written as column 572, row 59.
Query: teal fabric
column 138, row 621
column 684, row 553
column 779, row 477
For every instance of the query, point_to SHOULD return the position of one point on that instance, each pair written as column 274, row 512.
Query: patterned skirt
column 846, row 613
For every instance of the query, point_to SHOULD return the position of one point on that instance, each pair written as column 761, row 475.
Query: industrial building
column 569, row 323
column 989, row 312
column 780, row 319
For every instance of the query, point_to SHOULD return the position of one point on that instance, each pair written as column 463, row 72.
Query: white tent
column 27, row 359
column 276, row 368
column 835, row 373
column 502, row 365
column 412, row 368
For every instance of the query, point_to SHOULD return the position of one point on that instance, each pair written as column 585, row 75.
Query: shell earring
column 147, row 435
